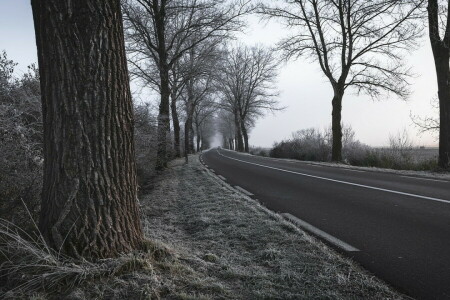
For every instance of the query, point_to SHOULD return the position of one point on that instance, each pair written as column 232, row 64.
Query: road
column 396, row 227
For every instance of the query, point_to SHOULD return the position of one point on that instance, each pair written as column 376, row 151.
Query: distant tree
column 247, row 88
column 89, row 197
column 203, row 120
column 439, row 33
column 225, row 126
column 357, row 43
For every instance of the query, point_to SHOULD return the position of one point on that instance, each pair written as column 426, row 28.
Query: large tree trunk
column 89, row 196
column 245, row 135
column 441, row 55
column 336, row 125
column 176, row 127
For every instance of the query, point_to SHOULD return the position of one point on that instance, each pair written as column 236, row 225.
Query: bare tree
column 357, row 43
column 439, row 33
column 203, row 119
column 247, row 88
column 160, row 32
column 89, row 197
column 225, row 125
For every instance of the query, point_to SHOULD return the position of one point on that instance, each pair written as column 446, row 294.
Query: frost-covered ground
column 241, row 249
column 204, row 240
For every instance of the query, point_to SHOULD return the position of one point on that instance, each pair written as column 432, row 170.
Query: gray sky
column 304, row 90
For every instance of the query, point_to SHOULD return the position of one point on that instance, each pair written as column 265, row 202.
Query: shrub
column 21, row 143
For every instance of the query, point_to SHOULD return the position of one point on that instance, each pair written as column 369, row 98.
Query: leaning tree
column 357, row 43
column 89, row 196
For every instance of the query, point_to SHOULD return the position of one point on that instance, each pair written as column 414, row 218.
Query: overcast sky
column 304, row 91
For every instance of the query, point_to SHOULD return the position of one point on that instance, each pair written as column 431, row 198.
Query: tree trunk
column 191, row 139
column 164, row 106
column 187, row 147
column 239, row 141
column 89, row 196
column 197, row 128
column 231, row 144
column 441, row 59
column 336, row 125
column 245, row 135
column 176, row 127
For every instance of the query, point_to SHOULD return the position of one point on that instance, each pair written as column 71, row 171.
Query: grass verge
column 205, row 241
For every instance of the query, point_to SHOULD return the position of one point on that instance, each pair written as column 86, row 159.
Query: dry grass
column 205, row 241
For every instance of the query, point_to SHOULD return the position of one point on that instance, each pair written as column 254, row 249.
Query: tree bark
column 442, row 72
column 176, row 127
column 245, row 136
column 187, row 146
column 89, row 196
column 191, row 139
column 239, row 141
column 164, row 106
column 441, row 59
column 336, row 125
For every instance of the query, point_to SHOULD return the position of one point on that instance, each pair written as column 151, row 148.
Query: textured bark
column 176, row 127
column 441, row 55
column 89, row 197
column 336, row 126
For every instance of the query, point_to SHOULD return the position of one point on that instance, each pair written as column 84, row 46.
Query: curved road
column 397, row 227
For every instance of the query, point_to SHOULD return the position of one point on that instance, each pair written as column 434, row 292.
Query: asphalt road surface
column 397, row 227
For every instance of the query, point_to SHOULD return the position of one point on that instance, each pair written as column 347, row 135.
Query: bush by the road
column 314, row 145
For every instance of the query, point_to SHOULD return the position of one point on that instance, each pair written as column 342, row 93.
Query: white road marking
column 343, row 182
column 422, row 178
column 243, row 190
column 355, row 170
column 331, row 239
column 313, row 165
column 221, row 177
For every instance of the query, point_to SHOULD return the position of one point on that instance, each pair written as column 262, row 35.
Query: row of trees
column 172, row 47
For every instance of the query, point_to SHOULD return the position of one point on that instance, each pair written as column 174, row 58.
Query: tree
column 160, row 32
column 439, row 25
column 203, row 120
column 247, row 88
column 357, row 43
column 89, row 197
